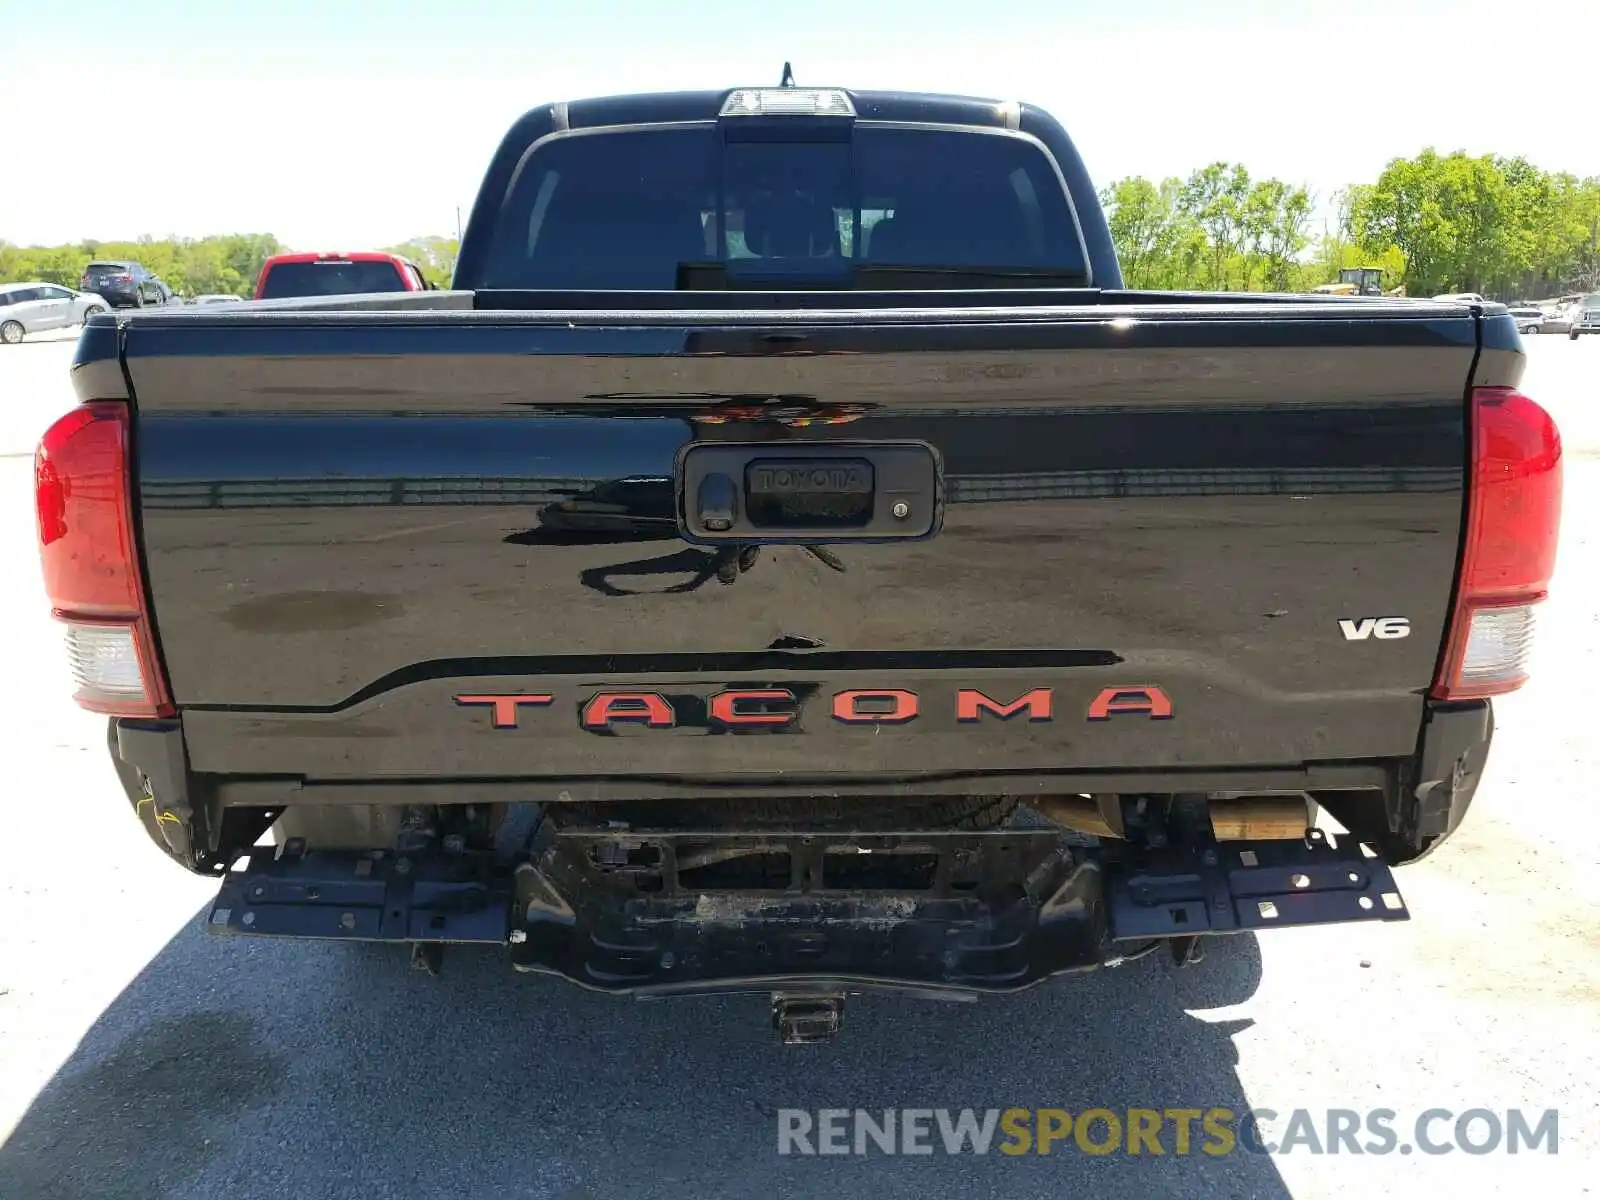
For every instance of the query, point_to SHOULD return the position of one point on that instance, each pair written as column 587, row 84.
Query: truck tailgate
column 350, row 521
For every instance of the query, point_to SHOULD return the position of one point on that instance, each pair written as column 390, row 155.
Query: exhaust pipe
column 1233, row 818
column 1099, row 816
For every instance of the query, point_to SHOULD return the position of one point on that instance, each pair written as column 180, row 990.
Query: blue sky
column 335, row 124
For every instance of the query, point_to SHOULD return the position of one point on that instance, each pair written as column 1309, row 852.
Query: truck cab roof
column 875, row 110
column 650, row 108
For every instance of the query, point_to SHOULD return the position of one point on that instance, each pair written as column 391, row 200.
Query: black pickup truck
column 788, row 560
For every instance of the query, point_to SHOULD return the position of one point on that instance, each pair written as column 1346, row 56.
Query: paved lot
column 140, row 1058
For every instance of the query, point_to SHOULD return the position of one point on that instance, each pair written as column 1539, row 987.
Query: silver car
column 1529, row 320
column 1556, row 320
column 35, row 307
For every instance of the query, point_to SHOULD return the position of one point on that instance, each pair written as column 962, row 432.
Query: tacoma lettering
column 774, row 708
column 734, row 708
column 890, row 707
column 1151, row 702
column 504, row 708
column 971, row 704
column 606, row 707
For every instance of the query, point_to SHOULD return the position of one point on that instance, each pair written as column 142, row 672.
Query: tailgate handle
column 803, row 493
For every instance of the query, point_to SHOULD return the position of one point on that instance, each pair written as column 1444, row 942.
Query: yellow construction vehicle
column 1358, row 281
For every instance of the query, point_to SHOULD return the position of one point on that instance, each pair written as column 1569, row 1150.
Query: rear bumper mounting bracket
column 1234, row 886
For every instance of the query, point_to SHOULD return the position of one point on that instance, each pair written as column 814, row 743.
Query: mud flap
column 154, row 785
column 1451, row 753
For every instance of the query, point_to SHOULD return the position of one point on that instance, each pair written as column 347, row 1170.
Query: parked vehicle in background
column 285, row 276
column 124, row 284
column 1557, row 320
column 1460, row 298
column 35, row 307
column 168, row 296
column 1529, row 320
column 1587, row 317
column 217, row 298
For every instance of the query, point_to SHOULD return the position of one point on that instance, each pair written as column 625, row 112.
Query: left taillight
column 83, row 498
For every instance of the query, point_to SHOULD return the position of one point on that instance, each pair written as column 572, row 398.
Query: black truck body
column 935, row 626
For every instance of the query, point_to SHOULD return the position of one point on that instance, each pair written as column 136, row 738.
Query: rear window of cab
column 331, row 277
column 629, row 209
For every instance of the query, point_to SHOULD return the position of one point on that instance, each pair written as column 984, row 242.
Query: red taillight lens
column 81, row 495
column 84, row 504
column 1509, row 551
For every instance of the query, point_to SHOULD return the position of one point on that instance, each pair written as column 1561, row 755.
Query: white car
column 35, row 307
column 217, row 298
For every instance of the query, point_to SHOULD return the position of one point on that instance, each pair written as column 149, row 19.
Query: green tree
column 1212, row 230
column 1463, row 223
column 1289, row 210
column 1257, row 216
column 436, row 256
column 1215, row 197
column 1148, row 228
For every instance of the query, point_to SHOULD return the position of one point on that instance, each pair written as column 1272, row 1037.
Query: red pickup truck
column 289, row 276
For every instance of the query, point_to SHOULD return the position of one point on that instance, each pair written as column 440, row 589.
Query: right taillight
column 84, row 503
column 1509, row 549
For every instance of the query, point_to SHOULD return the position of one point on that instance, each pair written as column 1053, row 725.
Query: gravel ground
column 141, row 1058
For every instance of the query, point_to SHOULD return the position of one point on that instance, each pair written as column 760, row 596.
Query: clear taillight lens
column 1499, row 645
column 107, row 673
